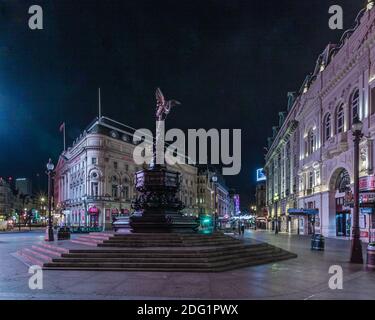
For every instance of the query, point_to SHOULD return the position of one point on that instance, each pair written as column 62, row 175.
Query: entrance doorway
column 343, row 212
column 343, row 224
column 94, row 220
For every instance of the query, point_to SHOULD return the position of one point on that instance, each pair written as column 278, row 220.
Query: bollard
column 317, row 242
column 63, row 233
column 371, row 256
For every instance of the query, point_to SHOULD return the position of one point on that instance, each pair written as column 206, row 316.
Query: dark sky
column 230, row 62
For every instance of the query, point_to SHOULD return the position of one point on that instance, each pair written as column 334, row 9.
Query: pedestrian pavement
column 23, row 230
column 305, row 277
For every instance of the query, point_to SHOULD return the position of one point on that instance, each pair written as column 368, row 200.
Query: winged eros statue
column 163, row 107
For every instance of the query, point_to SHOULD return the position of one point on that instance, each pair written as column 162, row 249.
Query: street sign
column 367, row 183
column 366, row 210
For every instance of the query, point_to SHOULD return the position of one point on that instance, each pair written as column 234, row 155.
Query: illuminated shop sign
column 366, row 210
column 367, row 183
column 260, row 175
column 367, row 197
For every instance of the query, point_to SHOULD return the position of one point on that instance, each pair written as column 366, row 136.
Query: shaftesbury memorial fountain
column 157, row 213
column 157, row 207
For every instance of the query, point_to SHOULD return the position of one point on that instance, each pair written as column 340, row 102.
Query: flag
column 62, row 127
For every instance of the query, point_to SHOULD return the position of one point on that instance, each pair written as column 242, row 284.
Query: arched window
column 340, row 119
column 354, row 104
column 310, row 139
column 327, row 127
column 343, row 181
column 94, row 175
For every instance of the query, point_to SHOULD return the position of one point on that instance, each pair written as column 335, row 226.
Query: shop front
column 93, row 217
column 293, row 224
column 367, row 208
column 343, row 217
column 261, row 223
column 224, row 222
column 303, row 221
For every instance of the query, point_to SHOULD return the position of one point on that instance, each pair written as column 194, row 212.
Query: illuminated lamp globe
column 357, row 125
column 50, row 165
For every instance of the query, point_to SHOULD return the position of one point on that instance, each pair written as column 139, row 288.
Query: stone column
column 328, row 220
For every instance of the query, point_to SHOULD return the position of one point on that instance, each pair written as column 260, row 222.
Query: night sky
column 229, row 62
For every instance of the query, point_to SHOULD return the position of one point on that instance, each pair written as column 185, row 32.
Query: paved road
column 303, row 278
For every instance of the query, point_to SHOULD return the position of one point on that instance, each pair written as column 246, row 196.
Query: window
column 354, row 105
column 340, row 119
column 327, row 127
column 93, row 161
column 125, row 192
column 311, row 179
column 343, row 181
column 94, row 189
column 372, row 102
column 114, row 190
column 115, row 165
column 310, row 142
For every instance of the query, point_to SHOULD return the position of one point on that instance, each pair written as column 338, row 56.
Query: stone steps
column 161, row 244
column 84, row 242
column 167, row 240
column 162, row 253
column 165, row 258
column 40, row 254
column 172, row 266
column 168, row 252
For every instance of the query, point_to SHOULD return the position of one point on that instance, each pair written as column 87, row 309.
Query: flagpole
column 99, row 104
column 64, row 137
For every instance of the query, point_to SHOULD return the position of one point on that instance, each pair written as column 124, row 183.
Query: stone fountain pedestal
column 157, row 208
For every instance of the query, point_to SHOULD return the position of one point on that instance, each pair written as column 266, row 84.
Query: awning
column 93, row 210
column 366, row 210
column 294, row 211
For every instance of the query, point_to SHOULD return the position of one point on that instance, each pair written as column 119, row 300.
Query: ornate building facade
column 95, row 177
column 213, row 194
column 340, row 90
column 7, row 199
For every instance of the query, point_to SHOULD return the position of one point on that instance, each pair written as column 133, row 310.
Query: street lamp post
column 84, row 198
column 214, row 179
column 42, row 207
column 276, row 222
column 356, row 246
column 49, row 235
column 121, row 190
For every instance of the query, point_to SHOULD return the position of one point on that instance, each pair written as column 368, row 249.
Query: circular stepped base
column 169, row 252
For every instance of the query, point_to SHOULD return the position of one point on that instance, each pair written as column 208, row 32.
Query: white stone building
column 341, row 89
column 95, row 177
column 213, row 194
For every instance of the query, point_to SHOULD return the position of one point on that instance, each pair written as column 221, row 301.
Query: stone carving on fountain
column 157, row 208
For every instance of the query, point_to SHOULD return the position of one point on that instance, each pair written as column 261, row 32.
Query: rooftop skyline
column 225, row 61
